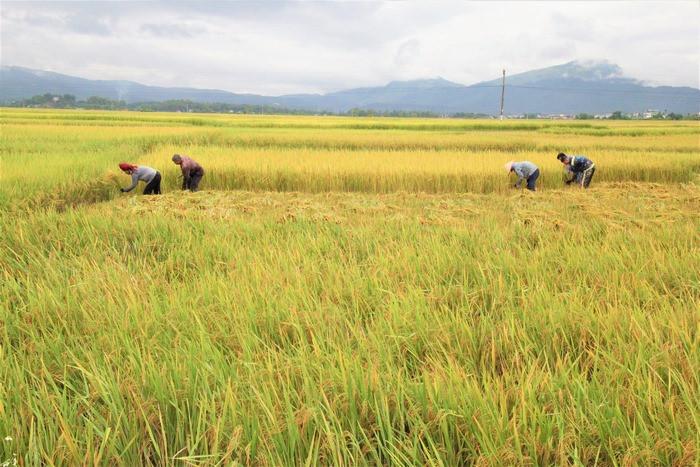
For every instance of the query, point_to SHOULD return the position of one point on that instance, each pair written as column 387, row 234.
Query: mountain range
column 570, row 88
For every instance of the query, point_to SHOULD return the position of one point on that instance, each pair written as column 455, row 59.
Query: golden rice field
column 347, row 291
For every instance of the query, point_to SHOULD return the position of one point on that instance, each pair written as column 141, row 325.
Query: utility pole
column 503, row 92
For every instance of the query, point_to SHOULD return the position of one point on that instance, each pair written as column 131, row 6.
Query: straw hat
column 509, row 166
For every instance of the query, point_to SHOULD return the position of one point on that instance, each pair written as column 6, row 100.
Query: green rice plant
column 347, row 292
column 43, row 159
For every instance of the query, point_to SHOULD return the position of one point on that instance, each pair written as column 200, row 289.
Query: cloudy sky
column 277, row 47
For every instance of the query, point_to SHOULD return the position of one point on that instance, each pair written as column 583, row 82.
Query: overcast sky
column 294, row 47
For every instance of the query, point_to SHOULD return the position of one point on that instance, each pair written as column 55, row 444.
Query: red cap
column 126, row 167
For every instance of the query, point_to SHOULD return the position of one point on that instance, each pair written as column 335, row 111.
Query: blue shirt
column 579, row 164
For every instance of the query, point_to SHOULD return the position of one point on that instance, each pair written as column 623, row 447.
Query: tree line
column 69, row 101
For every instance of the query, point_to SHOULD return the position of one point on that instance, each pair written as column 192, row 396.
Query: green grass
column 324, row 324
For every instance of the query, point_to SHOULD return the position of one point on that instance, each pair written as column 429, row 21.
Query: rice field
column 347, row 291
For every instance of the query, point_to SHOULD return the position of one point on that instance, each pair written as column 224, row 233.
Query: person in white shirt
column 526, row 171
column 143, row 173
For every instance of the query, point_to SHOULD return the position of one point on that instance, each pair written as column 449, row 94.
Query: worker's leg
column 588, row 176
column 194, row 181
column 532, row 180
column 156, row 188
column 153, row 186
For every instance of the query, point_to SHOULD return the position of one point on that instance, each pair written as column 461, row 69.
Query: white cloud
column 289, row 47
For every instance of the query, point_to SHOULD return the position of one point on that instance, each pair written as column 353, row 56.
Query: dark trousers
column 532, row 179
column 153, row 187
column 192, row 183
column 584, row 178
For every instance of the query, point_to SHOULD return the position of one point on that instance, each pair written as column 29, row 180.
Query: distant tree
column 48, row 100
column 95, row 102
column 618, row 115
column 584, row 116
column 361, row 112
column 467, row 115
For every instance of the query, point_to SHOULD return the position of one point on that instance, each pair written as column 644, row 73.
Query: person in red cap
column 146, row 174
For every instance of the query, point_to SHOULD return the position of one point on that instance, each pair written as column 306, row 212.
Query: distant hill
column 591, row 87
column 570, row 88
column 19, row 83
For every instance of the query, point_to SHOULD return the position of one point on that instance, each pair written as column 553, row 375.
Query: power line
column 503, row 91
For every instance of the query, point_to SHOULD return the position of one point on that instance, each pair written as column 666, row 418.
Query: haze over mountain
column 574, row 87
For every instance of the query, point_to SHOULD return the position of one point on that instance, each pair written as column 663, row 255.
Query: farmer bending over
column 146, row 174
column 192, row 172
column 525, row 170
column 581, row 168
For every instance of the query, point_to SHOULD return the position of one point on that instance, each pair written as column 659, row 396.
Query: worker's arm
column 518, row 171
column 569, row 172
column 134, row 182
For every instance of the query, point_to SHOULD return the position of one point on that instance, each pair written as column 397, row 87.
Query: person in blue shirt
column 525, row 170
column 580, row 167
